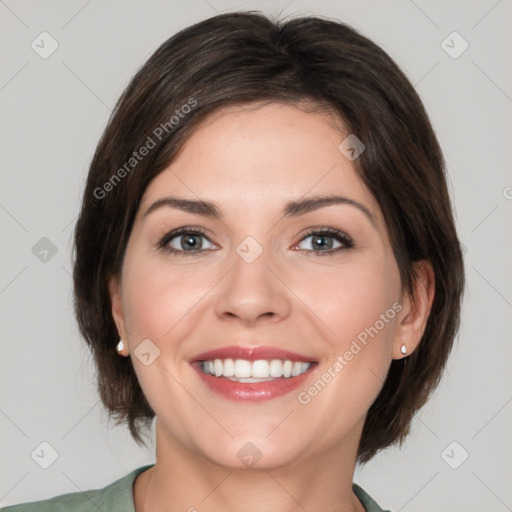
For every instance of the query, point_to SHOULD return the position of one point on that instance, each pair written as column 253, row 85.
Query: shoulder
column 368, row 502
column 117, row 496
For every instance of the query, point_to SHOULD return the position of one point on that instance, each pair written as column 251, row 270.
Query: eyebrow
column 291, row 209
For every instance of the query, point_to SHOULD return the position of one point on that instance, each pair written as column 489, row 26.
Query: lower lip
column 253, row 391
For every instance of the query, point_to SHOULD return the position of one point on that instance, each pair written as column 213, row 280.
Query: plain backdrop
column 53, row 110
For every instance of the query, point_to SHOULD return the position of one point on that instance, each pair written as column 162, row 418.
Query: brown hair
column 242, row 58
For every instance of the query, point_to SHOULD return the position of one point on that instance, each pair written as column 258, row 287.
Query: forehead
column 269, row 152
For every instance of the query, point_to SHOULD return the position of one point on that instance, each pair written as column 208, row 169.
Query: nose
column 253, row 292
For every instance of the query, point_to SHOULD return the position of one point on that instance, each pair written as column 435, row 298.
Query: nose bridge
column 251, row 289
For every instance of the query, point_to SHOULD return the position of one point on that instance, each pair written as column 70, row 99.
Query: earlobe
column 415, row 311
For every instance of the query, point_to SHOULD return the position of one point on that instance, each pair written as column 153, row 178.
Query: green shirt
column 118, row 497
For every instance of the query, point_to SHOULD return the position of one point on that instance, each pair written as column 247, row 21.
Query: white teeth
column 229, row 368
column 242, row 368
column 287, row 368
column 219, row 367
column 260, row 370
column 297, row 368
column 276, row 368
column 234, row 379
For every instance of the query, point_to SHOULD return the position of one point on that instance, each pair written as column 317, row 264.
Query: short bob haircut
column 247, row 58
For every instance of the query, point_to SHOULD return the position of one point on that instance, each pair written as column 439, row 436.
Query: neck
column 186, row 481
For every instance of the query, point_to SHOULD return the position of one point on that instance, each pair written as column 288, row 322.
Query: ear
column 416, row 307
column 114, row 288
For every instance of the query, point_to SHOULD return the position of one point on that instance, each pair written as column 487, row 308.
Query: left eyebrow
column 302, row 206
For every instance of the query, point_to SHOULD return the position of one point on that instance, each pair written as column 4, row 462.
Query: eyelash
column 329, row 232
column 343, row 238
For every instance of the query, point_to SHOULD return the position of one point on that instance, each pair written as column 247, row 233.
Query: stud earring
column 403, row 349
column 120, row 346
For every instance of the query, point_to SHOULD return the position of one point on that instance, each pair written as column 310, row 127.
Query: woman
column 266, row 261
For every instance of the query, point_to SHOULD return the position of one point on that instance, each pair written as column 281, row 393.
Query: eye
column 185, row 240
column 325, row 241
column 322, row 242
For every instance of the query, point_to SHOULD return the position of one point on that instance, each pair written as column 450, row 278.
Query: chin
column 253, row 454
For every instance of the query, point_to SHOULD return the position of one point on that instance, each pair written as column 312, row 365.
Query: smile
column 252, row 373
column 261, row 370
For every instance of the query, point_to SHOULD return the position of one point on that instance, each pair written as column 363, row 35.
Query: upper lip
column 250, row 353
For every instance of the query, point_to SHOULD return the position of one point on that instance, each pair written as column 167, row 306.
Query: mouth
column 252, row 373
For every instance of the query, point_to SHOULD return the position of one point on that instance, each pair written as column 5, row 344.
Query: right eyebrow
column 192, row 206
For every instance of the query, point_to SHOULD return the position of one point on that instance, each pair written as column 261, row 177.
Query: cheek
column 356, row 299
column 159, row 305
column 158, row 298
column 359, row 304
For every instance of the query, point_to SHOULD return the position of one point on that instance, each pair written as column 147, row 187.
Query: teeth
column 287, row 368
column 219, row 368
column 242, row 368
column 276, row 368
column 229, row 368
column 260, row 370
column 297, row 369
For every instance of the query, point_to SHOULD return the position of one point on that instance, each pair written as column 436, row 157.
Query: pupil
column 320, row 242
column 191, row 240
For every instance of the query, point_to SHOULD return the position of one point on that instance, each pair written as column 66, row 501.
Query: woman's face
column 262, row 272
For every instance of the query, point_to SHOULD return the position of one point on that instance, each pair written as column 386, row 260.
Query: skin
column 250, row 162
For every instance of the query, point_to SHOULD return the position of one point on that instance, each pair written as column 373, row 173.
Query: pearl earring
column 120, row 346
column 403, row 349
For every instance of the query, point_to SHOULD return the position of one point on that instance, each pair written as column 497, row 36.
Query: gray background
column 52, row 113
